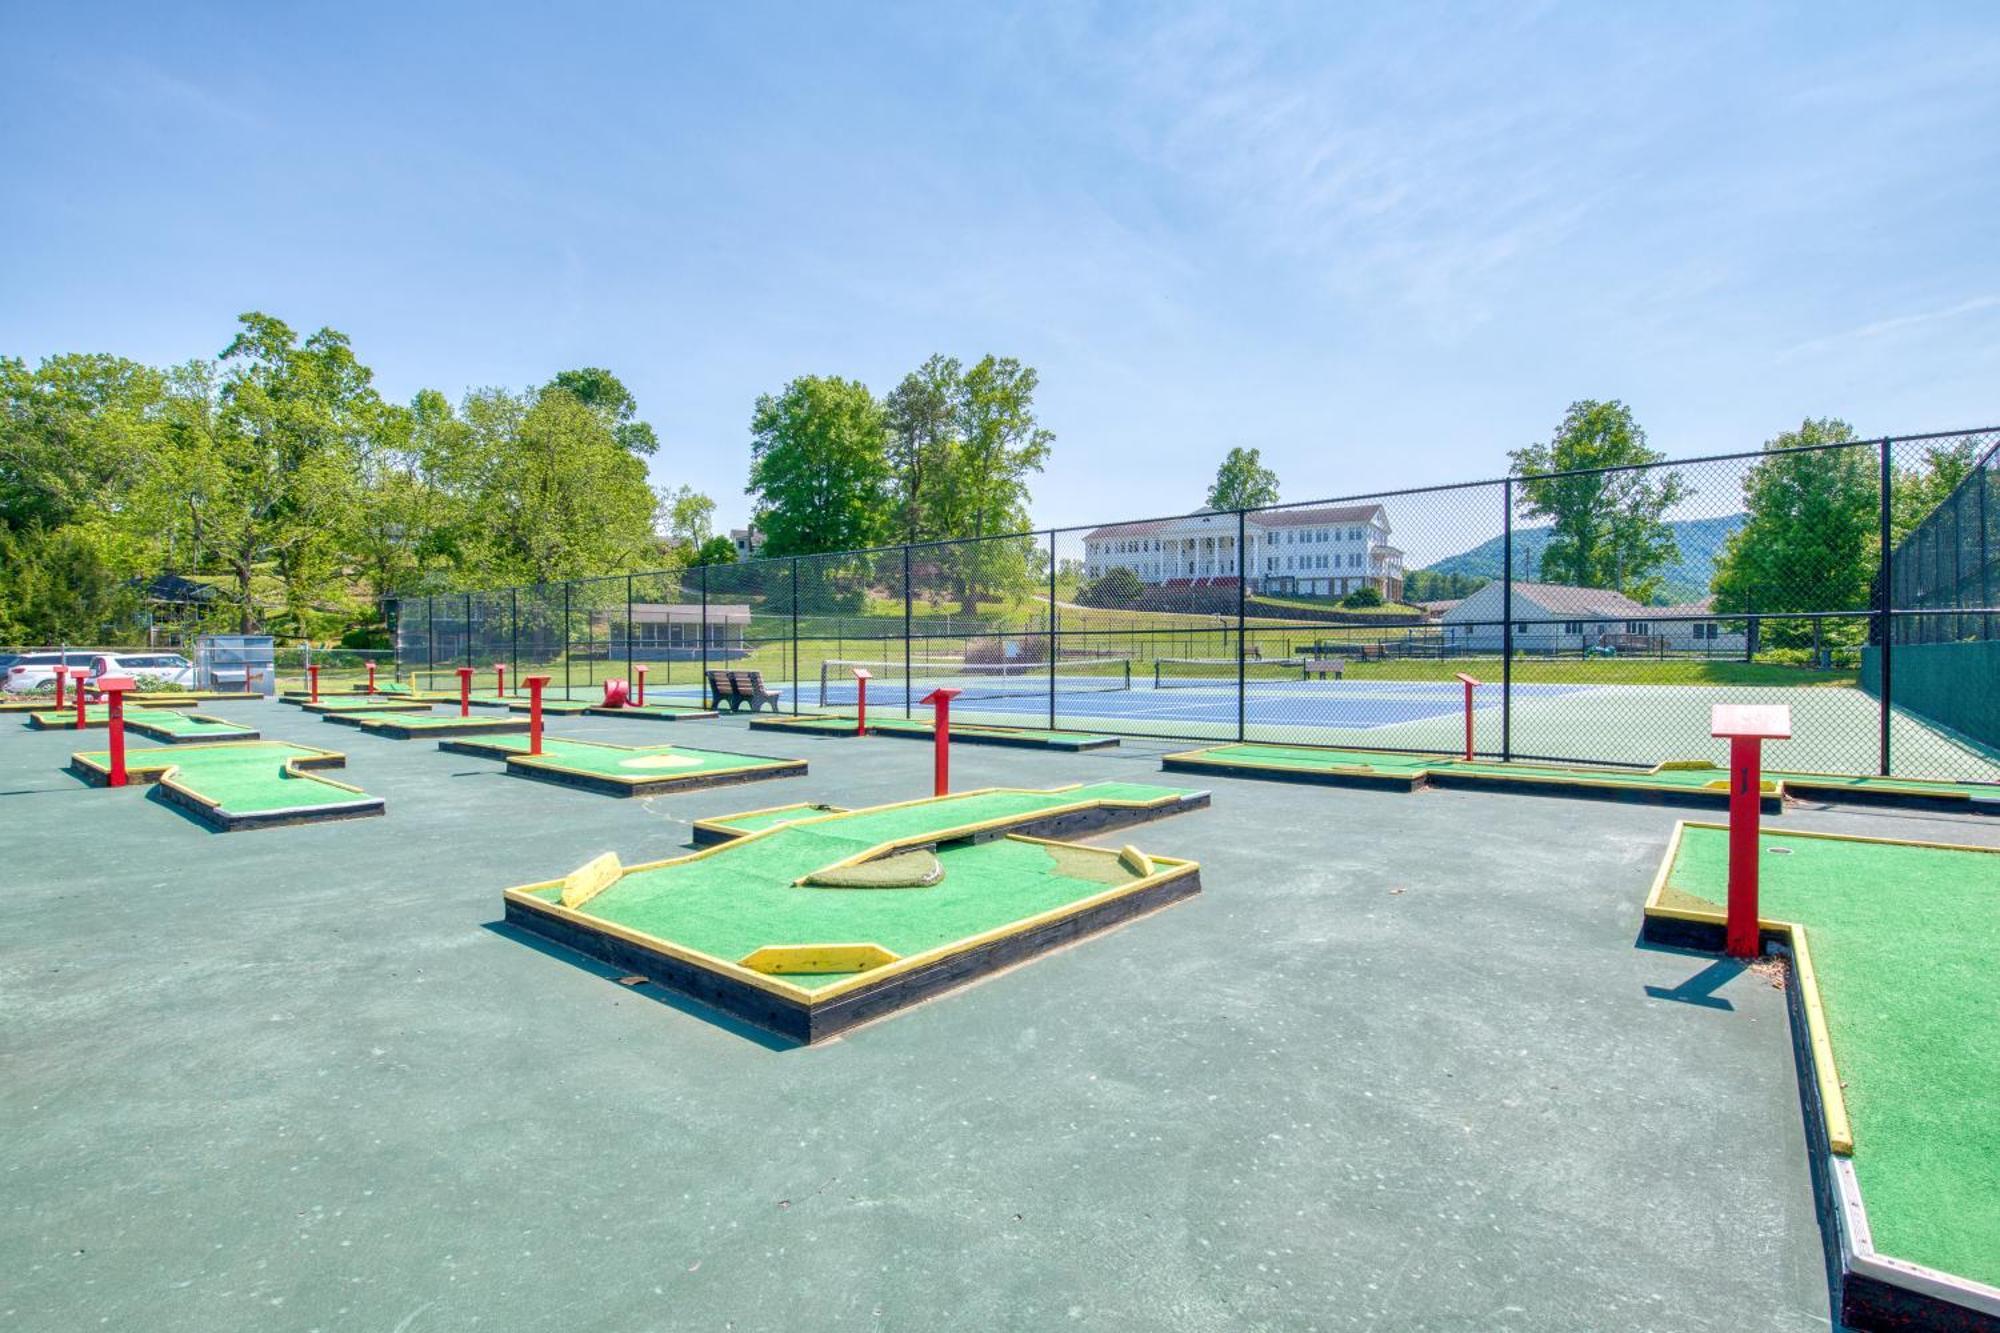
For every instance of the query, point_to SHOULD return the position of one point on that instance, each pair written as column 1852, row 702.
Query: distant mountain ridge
column 1686, row 580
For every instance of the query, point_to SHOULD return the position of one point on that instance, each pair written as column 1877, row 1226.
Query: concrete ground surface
column 1402, row 1064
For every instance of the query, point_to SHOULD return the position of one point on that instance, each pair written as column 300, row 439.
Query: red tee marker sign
column 862, row 675
column 940, row 700
column 1468, row 682
column 1746, row 727
column 113, row 688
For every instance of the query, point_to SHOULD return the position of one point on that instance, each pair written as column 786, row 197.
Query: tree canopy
column 1243, row 482
column 1607, row 528
column 819, row 467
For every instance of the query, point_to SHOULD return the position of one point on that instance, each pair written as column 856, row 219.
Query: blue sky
column 1382, row 244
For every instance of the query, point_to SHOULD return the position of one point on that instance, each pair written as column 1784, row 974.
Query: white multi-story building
column 1324, row 552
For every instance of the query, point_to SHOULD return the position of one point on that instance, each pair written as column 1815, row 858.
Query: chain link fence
column 1599, row 613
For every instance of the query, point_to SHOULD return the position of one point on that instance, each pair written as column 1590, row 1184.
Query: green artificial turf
column 361, row 703
column 763, row 819
column 742, row 896
column 918, row 727
column 658, row 710
column 427, row 721
column 627, row 762
column 184, row 724
column 244, row 777
column 1902, row 941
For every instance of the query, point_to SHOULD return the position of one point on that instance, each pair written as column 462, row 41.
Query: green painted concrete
column 1902, row 940
column 1397, row 1067
column 742, row 896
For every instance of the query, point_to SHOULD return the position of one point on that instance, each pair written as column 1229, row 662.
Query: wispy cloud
column 1895, row 324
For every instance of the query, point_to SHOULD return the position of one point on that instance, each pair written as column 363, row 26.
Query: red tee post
column 371, row 678
column 940, row 699
column 500, row 679
column 639, row 674
column 80, row 692
column 1468, row 682
column 312, row 680
column 535, row 684
column 62, row 674
column 1746, row 727
column 465, row 691
column 114, row 688
column 862, row 675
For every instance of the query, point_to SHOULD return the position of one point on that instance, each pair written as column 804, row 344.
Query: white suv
column 35, row 672
column 154, row 669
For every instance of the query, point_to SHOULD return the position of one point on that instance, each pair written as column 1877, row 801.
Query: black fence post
column 1985, row 566
column 430, row 640
column 565, row 638
column 1507, row 623
column 1885, row 603
column 908, row 594
column 1242, row 647
column 468, row 629
column 1055, row 654
column 706, row 699
column 628, row 628
column 795, row 636
column 514, row 635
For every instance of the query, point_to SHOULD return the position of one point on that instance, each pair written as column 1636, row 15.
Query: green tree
column 982, row 490
column 715, row 551
column 819, row 468
column 58, row 587
column 1607, row 528
column 1243, row 482
column 686, row 520
column 922, row 414
column 76, row 434
column 560, row 497
column 1116, row 586
column 606, row 394
column 1812, row 537
column 1918, row 489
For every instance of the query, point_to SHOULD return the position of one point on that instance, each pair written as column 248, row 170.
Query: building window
column 1637, row 627
column 1573, row 627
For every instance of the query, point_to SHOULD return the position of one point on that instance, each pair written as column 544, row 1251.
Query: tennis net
column 1172, row 673
column 975, row 680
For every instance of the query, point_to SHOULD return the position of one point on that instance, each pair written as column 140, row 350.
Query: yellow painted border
column 1839, row 1131
column 1170, row 868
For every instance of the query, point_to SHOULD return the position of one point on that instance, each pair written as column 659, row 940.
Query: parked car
column 35, row 672
column 149, row 669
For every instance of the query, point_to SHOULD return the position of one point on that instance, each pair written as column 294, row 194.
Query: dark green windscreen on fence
column 1949, row 685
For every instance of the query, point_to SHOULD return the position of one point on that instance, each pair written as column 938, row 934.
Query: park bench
column 1321, row 666
column 740, row 687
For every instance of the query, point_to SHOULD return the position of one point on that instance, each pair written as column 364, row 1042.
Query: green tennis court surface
column 812, row 924
column 626, row 770
column 972, row 733
column 1692, row 783
column 407, row 726
column 241, row 784
column 1901, row 937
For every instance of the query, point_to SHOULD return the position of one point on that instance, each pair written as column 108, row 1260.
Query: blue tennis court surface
column 1319, row 703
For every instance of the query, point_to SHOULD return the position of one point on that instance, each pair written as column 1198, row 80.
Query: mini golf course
column 627, row 770
column 660, row 712
column 164, row 724
column 404, row 725
column 362, row 703
column 241, row 784
column 708, row 832
column 1695, row 782
column 972, row 733
column 807, row 926
column 1897, row 1027
column 41, row 702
